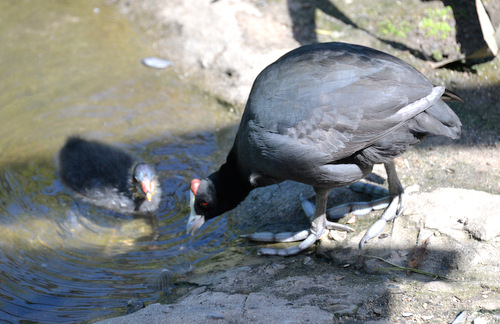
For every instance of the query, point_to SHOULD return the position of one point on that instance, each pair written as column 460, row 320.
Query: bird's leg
column 395, row 207
column 309, row 210
column 393, row 204
column 309, row 237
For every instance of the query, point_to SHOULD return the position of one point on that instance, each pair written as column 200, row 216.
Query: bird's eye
column 204, row 204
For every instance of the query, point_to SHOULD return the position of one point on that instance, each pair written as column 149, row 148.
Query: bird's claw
column 338, row 227
column 302, row 246
column 395, row 208
column 284, row 237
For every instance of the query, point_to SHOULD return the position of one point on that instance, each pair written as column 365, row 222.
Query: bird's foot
column 369, row 189
column 395, row 208
column 302, row 246
column 308, row 238
column 305, row 236
column 339, row 227
column 357, row 208
column 283, row 237
column 393, row 205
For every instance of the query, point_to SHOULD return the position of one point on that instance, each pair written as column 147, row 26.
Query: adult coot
column 323, row 115
column 108, row 177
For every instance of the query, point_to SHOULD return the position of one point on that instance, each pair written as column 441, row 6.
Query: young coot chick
column 108, row 177
column 323, row 115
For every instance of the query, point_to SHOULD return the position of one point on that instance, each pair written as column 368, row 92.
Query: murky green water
column 73, row 67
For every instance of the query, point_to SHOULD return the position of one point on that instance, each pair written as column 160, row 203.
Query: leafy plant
column 387, row 27
column 435, row 23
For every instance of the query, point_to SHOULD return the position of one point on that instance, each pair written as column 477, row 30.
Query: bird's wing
column 340, row 104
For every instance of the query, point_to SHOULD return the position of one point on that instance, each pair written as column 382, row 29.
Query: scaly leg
column 393, row 204
column 309, row 237
column 395, row 207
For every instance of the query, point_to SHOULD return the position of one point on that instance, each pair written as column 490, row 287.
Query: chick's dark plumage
column 109, row 177
column 323, row 115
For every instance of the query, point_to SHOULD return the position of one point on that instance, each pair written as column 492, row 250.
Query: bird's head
column 144, row 181
column 221, row 191
column 203, row 203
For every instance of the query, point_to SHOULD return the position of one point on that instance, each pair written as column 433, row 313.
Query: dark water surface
column 73, row 67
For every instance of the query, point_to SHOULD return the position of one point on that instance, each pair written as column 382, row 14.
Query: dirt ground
column 452, row 188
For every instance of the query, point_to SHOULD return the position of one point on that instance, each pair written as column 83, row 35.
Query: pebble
column 337, row 235
column 157, row 63
column 215, row 316
column 479, row 320
column 412, row 189
column 460, row 318
column 134, row 304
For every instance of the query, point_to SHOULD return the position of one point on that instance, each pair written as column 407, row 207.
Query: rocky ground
column 335, row 283
column 451, row 221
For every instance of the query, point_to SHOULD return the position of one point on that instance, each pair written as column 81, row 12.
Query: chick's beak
column 195, row 221
column 148, row 188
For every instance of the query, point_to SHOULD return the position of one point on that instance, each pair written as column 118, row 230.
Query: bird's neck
column 231, row 185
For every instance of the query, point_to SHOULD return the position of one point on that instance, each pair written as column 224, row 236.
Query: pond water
column 73, row 67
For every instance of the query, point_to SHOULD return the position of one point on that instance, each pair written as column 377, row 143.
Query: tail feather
column 438, row 119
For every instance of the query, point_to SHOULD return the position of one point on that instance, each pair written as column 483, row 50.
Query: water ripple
column 63, row 260
column 59, row 254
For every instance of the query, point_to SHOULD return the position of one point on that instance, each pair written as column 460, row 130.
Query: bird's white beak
column 195, row 221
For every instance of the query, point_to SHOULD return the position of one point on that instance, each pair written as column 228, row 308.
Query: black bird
column 109, row 177
column 323, row 115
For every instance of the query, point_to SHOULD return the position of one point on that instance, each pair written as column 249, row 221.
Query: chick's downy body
column 109, row 177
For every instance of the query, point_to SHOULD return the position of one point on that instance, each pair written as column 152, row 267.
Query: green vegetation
column 437, row 55
column 387, row 27
column 435, row 23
